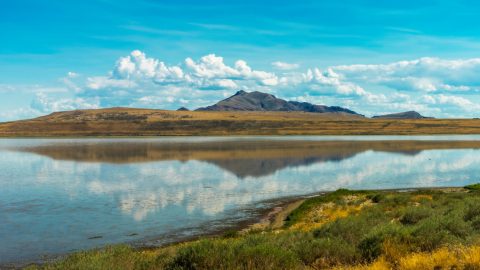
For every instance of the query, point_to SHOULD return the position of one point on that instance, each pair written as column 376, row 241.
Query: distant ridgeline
column 253, row 113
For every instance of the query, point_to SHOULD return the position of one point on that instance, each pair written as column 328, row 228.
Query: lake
column 64, row 195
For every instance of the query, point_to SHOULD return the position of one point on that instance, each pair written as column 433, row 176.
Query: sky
column 371, row 56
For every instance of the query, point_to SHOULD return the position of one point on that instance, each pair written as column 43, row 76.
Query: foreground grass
column 342, row 230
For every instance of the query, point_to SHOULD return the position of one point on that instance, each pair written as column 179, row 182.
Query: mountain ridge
column 259, row 101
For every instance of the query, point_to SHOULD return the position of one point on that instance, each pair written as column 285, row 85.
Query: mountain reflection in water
column 242, row 158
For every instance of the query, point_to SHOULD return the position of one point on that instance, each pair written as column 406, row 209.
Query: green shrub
column 112, row 257
column 472, row 211
column 455, row 225
column 332, row 251
column 413, row 215
column 476, row 224
column 377, row 198
column 473, row 187
column 371, row 247
column 230, row 234
column 250, row 253
column 265, row 256
column 430, row 235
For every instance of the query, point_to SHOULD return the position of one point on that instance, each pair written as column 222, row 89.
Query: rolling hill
column 147, row 122
column 402, row 115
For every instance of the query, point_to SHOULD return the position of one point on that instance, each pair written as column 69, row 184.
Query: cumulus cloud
column 137, row 66
column 432, row 86
column 424, row 74
column 213, row 67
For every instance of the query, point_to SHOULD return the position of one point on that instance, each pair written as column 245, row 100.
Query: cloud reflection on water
column 171, row 191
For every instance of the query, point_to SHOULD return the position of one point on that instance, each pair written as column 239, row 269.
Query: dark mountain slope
column 258, row 101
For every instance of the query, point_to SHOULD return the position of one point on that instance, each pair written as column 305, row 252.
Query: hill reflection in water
column 242, row 158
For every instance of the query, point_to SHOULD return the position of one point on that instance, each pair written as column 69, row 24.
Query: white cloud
column 137, row 66
column 45, row 104
column 213, row 67
column 433, row 86
column 424, row 74
column 285, row 66
column 457, row 101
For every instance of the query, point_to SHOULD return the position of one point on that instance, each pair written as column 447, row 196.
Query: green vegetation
column 336, row 196
column 473, row 187
column 345, row 229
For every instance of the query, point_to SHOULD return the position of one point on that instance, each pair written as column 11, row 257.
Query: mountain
column 258, row 101
column 402, row 115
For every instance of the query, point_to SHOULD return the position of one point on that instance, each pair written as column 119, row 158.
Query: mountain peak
column 259, row 101
column 239, row 93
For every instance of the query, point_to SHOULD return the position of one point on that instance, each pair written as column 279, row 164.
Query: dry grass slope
column 146, row 122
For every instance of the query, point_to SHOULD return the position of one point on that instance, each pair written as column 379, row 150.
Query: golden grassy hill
column 148, row 122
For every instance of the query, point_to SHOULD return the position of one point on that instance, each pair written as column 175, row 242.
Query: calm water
column 62, row 195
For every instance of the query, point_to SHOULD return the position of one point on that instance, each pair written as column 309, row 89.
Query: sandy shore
column 275, row 218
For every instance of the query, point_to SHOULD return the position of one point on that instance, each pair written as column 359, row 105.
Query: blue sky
column 370, row 56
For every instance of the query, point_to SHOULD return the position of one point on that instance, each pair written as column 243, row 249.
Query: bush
column 377, row 198
column 230, row 234
column 251, row 253
column 455, row 225
column 330, row 251
column 371, row 247
column 473, row 211
column 476, row 224
column 353, row 228
column 430, row 235
column 474, row 187
column 413, row 215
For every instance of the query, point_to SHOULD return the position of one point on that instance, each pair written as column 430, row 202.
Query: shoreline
column 270, row 218
column 257, row 215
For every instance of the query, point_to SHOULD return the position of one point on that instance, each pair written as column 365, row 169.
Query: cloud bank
column 432, row 86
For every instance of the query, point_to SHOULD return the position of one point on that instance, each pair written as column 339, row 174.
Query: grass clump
column 336, row 196
column 113, row 257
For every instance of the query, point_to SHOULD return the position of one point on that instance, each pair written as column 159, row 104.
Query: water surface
column 63, row 195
